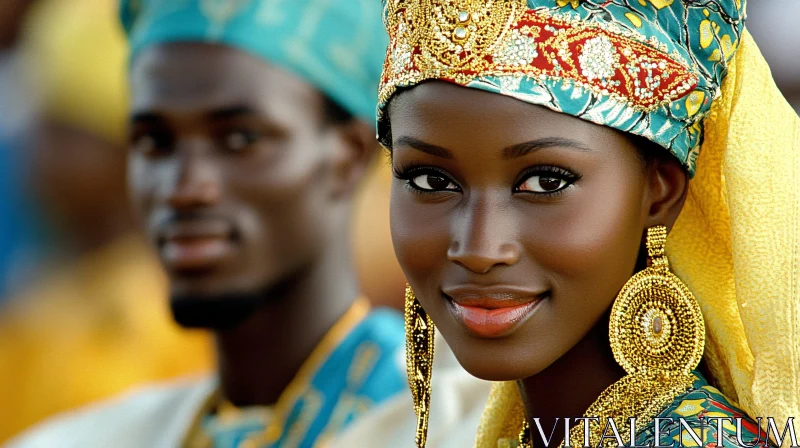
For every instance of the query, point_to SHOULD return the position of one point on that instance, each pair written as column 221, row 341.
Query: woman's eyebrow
column 427, row 148
column 522, row 149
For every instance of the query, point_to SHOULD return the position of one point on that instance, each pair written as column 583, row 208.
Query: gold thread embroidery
column 463, row 40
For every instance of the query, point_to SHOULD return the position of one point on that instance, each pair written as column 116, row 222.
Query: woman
column 542, row 149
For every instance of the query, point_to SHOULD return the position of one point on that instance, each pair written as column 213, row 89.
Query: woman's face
column 515, row 225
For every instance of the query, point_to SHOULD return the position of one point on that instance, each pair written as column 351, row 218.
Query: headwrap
column 74, row 54
column 332, row 44
column 657, row 69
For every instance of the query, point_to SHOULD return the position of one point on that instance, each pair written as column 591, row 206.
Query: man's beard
column 218, row 312
column 228, row 310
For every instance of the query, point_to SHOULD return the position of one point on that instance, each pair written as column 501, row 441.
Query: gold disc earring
column 657, row 335
column 656, row 325
column 419, row 361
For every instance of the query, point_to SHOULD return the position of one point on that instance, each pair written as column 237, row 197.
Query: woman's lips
column 492, row 314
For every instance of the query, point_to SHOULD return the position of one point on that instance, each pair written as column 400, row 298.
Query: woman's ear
column 668, row 185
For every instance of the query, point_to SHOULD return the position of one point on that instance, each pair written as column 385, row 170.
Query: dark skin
column 12, row 14
column 245, row 186
column 79, row 178
column 495, row 194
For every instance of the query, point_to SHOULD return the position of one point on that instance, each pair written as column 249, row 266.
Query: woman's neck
column 570, row 385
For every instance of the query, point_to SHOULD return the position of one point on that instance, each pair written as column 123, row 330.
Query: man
column 95, row 321
column 251, row 128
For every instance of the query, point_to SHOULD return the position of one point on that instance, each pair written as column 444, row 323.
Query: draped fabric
column 352, row 370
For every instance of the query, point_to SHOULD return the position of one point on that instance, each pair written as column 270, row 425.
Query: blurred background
column 83, row 312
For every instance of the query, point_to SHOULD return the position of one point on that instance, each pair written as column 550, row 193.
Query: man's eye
column 150, row 144
column 433, row 182
column 544, row 184
column 239, row 140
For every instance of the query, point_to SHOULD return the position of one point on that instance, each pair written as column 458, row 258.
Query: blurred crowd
column 83, row 313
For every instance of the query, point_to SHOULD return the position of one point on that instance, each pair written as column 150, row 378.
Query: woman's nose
column 483, row 236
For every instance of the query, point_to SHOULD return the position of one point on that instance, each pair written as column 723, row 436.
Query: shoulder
column 386, row 326
column 381, row 334
column 703, row 414
column 374, row 356
column 142, row 417
column 458, row 402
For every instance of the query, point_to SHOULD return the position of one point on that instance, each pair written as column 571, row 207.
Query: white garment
column 457, row 402
column 151, row 417
column 160, row 416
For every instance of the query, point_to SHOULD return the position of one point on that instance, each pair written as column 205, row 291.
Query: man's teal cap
column 336, row 45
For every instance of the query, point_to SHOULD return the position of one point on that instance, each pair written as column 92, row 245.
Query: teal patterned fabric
column 696, row 407
column 335, row 45
column 360, row 373
column 589, row 74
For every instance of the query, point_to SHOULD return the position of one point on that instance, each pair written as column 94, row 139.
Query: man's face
column 232, row 169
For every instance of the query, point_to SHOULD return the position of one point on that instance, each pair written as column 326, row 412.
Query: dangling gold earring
column 419, row 361
column 657, row 335
column 656, row 325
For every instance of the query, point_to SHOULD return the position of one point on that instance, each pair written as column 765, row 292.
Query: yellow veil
column 736, row 245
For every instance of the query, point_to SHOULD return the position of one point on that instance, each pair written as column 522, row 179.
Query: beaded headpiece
column 647, row 67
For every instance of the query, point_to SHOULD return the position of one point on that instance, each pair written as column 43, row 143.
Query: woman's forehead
column 449, row 114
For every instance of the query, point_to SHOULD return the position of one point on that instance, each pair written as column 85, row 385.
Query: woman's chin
column 497, row 366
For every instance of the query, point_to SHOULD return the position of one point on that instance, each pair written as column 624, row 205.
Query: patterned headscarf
column 686, row 75
column 650, row 68
column 334, row 45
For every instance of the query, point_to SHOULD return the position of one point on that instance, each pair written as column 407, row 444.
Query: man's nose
column 195, row 178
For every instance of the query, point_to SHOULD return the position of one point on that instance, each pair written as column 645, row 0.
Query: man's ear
column 668, row 185
column 354, row 155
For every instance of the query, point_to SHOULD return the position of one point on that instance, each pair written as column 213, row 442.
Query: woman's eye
column 433, row 182
column 544, row 184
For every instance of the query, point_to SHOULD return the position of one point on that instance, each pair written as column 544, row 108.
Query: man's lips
column 195, row 245
column 492, row 312
column 194, row 229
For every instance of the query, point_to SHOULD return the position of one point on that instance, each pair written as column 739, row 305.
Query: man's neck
column 259, row 358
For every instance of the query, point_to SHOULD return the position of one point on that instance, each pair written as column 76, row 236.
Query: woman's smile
column 492, row 312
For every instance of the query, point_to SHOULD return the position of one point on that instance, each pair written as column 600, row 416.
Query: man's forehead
column 209, row 75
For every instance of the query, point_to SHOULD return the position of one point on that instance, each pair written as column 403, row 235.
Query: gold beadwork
column 464, row 40
column 420, row 333
column 652, row 300
column 657, row 335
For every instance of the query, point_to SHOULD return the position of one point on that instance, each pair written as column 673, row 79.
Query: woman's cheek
column 590, row 245
column 420, row 236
